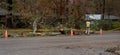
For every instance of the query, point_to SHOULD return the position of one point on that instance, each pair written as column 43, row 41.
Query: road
column 60, row 45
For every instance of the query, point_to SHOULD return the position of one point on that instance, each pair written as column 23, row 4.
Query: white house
column 99, row 16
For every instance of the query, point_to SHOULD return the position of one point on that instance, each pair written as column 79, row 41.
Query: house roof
column 99, row 16
column 112, row 17
column 93, row 16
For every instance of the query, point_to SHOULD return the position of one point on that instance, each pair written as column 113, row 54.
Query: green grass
column 28, row 32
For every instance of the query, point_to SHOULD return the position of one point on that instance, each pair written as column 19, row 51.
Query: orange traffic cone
column 6, row 35
column 101, row 32
column 71, row 33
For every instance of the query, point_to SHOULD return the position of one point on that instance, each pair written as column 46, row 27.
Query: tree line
column 69, row 13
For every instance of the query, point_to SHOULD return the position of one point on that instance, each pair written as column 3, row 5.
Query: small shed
column 3, row 12
column 6, row 19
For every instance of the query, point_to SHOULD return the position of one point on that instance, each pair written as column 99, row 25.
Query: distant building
column 99, row 17
column 5, row 19
column 3, row 12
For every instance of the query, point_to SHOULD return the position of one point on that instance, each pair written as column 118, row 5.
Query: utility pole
column 9, row 19
column 103, row 14
column 103, row 10
column 66, row 8
column 10, row 4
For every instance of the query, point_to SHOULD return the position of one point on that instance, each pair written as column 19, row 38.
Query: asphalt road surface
column 60, row 45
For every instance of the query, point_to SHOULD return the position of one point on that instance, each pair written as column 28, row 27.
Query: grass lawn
column 28, row 32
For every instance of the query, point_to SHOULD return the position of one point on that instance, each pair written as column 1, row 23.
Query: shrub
column 116, row 24
column 113, row 49
column 104, row 24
